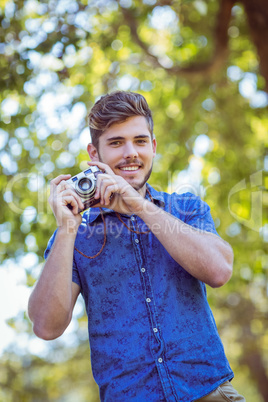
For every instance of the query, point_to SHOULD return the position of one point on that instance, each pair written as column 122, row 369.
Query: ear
column 154, row 144
column 92, row 152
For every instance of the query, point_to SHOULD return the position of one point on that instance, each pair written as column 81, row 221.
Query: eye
column 141, row 141
column 115, row 143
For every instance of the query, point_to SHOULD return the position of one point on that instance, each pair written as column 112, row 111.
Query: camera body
column 84, row 184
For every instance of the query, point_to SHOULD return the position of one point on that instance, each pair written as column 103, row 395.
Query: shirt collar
column 156, row 196
column 93, row 213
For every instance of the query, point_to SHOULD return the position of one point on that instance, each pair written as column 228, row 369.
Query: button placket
column 140, row 244
column 157, row 344
column 133, row 220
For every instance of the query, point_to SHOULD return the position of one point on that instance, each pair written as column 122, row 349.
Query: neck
column 142, row 191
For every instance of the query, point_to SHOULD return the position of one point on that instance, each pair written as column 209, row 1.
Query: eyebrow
column 123, row 138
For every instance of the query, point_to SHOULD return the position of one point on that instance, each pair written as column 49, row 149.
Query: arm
column 53, row 298
column 202, row 254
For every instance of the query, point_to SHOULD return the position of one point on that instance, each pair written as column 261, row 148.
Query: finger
column 108, row 193
column 103, row 181
column 55, row 189
column 100, row 178
column 59, row 178
column 69, row 192
column 63, row 186
column 101, row 166
column 71, row 203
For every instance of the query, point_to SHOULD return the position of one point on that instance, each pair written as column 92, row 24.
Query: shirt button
column 160, row 360
column 155, row 330
column 148, row 299
column 142, row 269
column 133, row 218
column 137, row 241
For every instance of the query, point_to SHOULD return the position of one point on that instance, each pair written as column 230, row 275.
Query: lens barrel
column 84, row 185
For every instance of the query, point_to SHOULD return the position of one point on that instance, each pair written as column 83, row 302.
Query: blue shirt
column 151, row 331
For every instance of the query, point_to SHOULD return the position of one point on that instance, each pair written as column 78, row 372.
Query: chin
column 138, row 186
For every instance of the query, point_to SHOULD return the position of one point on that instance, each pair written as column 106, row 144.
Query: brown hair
column 117, row 107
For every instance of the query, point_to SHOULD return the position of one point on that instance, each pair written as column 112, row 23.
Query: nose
column 130, row 151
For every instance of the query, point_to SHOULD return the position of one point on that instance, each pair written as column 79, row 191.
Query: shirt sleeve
column 50, row 244
column 75, row 275
column 195, row 212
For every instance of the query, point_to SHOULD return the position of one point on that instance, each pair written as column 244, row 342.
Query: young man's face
column 128, row 149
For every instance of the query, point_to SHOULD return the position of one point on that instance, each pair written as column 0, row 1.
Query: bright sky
column 13, row 299
column 14, row 295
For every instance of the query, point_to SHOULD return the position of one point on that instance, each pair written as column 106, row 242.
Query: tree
column 202, row 66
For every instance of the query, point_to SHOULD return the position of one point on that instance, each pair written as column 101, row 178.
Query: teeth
column 130, row 168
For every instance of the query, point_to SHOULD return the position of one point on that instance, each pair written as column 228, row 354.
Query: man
column 141, row 259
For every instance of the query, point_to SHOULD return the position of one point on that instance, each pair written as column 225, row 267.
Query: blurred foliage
column 57, row 58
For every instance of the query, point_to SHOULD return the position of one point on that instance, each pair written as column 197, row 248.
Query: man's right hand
column 62, row 195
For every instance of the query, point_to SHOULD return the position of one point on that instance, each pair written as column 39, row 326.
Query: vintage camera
column 84, row 184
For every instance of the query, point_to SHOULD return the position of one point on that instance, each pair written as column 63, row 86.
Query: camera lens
column 84, row 185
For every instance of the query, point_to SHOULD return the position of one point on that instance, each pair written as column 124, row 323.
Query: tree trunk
column 257, row 14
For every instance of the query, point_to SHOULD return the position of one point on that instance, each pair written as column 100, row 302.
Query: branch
column 257, row 15
column 221, row 43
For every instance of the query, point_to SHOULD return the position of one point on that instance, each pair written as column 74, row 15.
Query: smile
column 129, row 168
